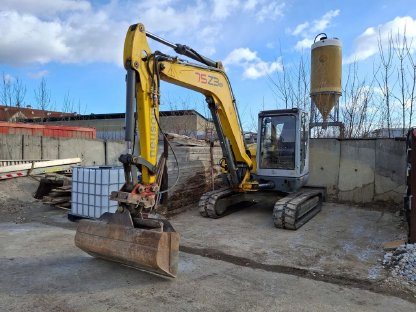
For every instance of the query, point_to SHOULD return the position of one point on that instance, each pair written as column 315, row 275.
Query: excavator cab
column 283, row 149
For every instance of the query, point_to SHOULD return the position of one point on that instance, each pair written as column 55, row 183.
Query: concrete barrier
column 324, row 157
column 50, row 148
column 113, row 149
column 358, row 171
column 390, row 170
column 32, row 147
column 11, row 146
column 91, row 152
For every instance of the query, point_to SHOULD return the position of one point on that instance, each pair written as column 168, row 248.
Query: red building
column 14, row 114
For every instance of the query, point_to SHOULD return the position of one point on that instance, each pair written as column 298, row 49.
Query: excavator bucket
column 145, row 244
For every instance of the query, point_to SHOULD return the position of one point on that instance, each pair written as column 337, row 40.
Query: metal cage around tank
column 91, row 190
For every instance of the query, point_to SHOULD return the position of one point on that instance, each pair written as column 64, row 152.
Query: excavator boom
column 135, row 235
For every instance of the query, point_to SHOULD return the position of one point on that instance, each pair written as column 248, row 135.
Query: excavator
column 136, row 234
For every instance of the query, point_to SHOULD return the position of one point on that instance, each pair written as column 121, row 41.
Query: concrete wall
column 92, row 152
column 11, row 146
column 359, row 171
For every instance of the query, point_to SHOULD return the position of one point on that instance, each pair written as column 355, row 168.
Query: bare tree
column 291, row 84
column 82, row 109
column 282, row 86
column 43, row 95
column 401, row 48
column 6, row 91
column 19, row 92
column 351, row 106
column 386, row 63
column 303, row 84
column 68, row 104
column 411, row 83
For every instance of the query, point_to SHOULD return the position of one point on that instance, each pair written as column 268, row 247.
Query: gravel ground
column 240, row 262
column 402, row 264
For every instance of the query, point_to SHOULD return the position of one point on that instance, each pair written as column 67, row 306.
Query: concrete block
column 11, row 146
column 50, row 148
column 390, row 170
column 32, row 147
column 113, row 151
column 324, row 155
column 356, row 172
column 91, row 151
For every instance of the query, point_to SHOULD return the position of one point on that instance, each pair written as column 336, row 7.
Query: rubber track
column 285, row 212
column 208, row 201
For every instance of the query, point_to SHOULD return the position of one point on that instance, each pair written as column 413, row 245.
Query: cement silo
column 326, row 71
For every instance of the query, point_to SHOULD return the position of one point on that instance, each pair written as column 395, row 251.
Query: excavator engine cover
column 146, row 244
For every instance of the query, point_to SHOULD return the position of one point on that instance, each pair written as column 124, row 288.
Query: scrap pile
column 199, row 171
column 55, row 189
column 402, row 262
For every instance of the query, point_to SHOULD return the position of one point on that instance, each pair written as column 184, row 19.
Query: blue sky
column 76, row 45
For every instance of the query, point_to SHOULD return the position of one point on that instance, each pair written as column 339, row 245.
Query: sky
column 77, row 45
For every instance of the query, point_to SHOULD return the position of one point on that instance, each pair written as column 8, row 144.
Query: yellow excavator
column 136, row 235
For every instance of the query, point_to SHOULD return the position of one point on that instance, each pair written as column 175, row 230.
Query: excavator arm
column 135, row 235
column 144, row 72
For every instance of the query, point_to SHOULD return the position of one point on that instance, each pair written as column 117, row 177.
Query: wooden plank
column 65, row 204
column 55, row 200
column 59, row 194
column 57, row 190
column 64, row 188
column 388, row 246
column 41, row 164
column 62, row 207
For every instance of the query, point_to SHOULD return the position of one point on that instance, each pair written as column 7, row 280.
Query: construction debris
column 402, row 263
column 389, row 246
column 55, row 189
column 185, row 140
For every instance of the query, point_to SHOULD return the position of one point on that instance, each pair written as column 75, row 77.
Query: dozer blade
column 147, row 247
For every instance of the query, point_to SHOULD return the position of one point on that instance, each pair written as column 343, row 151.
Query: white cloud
column 262, row 10
column 26, row 39
column 270, row 10
column 250, row 4
column 303, row 44
column 8, row 78
column 261, row 68
column 79, row 32
column 366, row 44
column 45, row 7
column 240, row 55
column 76, row 31
column 300, row 28
column 254, row 66
column 309, row 30
column 322, row 23
column 38, row 74
column 223, row 8
column 270, row 45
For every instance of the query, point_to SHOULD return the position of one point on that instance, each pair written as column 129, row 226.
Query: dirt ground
column 240, row 262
